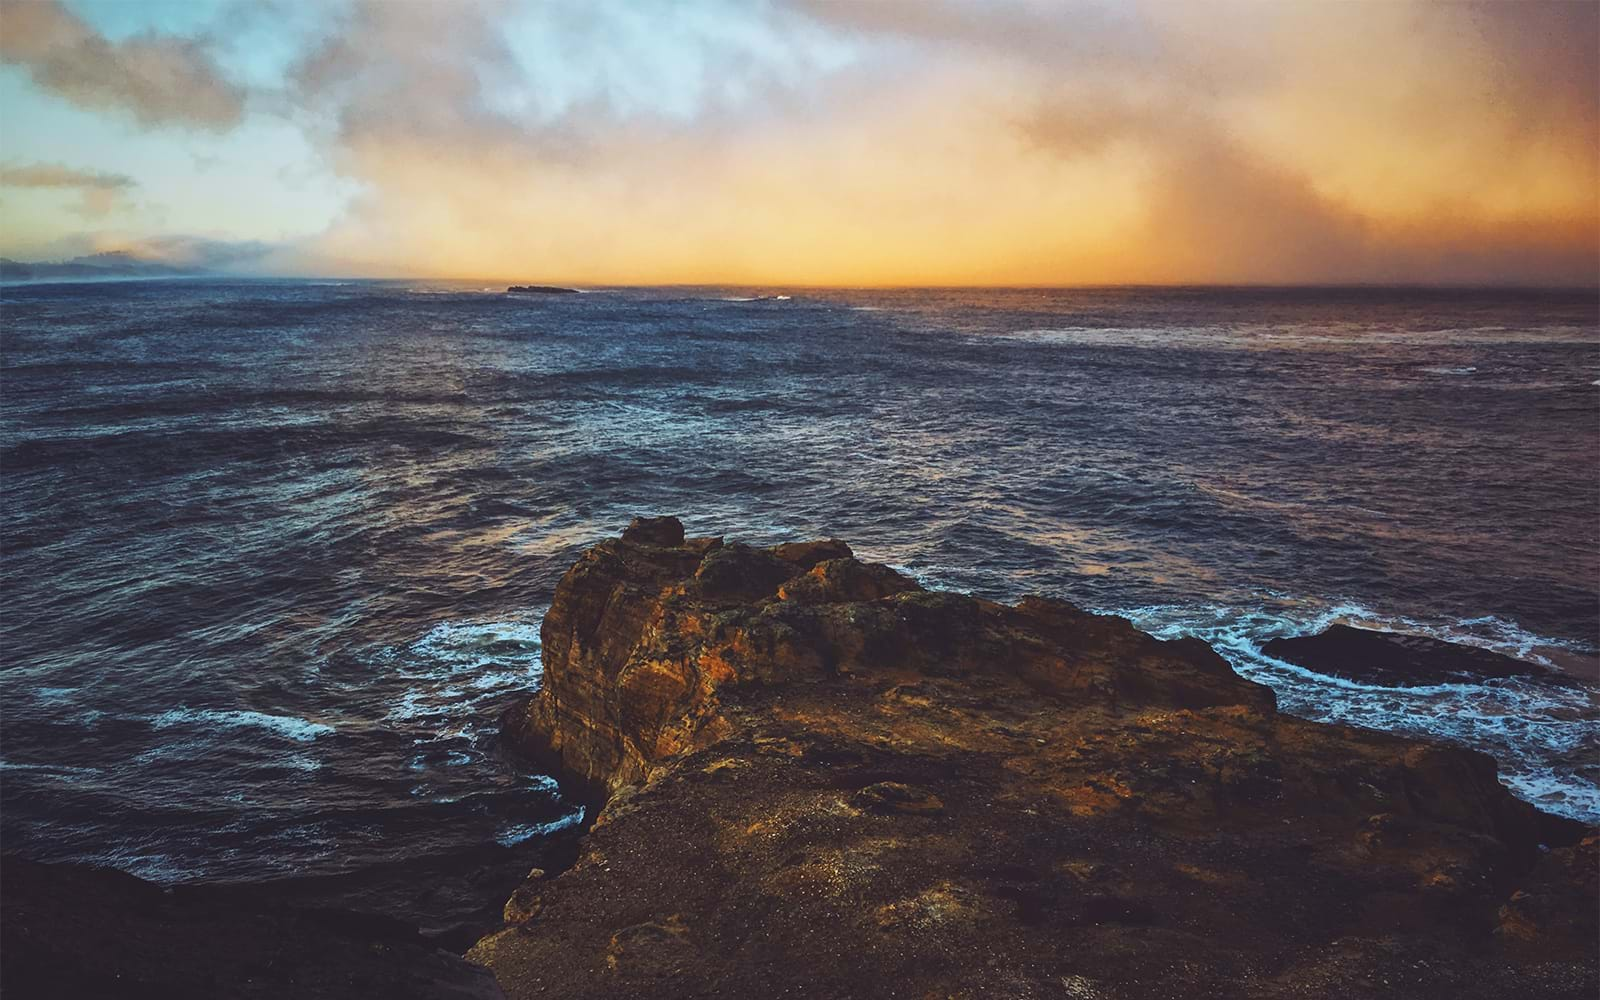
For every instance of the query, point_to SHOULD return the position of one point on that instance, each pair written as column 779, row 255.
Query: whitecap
column 1531, row 728
column 63, row 769
column 510, row 836
column 459, row 665
column 301, row 730
column 473, row 643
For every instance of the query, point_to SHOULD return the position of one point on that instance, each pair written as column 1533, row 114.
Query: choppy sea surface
column 275, row 553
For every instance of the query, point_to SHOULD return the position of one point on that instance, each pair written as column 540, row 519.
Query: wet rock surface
column 1393, row 659
column 857, row 788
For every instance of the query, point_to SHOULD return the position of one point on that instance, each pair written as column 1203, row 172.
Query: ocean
column 275, row 553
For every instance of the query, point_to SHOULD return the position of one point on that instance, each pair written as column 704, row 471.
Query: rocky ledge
column 815, row 778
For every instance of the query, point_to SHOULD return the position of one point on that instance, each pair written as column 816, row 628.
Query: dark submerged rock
column 1393, row 659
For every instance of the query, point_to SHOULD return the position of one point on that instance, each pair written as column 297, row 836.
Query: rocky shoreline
column 818, row 779
column 807, row 776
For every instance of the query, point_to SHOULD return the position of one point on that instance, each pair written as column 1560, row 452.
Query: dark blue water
column 275, row 553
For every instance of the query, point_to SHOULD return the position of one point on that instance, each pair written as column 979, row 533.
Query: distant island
column 540, row 290
column 114, row 264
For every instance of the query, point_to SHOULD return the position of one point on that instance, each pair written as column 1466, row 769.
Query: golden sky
column 937, row 142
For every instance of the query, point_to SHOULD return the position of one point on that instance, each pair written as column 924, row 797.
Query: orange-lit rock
column 820, row 780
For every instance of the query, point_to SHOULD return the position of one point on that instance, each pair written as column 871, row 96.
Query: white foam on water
column 468, row 644
column 1545, row 737
column 301, row 730
column 62, row 769
column 464, row 663
column 457, row 672
column 411, row 704
column 1267, row 337
column 510, row 836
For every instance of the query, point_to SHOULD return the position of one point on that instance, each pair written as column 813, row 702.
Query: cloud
column 178, row 250
column 159, row 80
column 100, row 193
column 938, row 142
column 1012, row 143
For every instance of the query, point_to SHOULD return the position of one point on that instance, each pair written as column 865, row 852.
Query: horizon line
column 1037, row 287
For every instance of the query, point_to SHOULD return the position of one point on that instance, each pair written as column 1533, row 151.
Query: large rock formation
column 821, row 780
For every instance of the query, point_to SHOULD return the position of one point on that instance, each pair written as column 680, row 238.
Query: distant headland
column 115, row 264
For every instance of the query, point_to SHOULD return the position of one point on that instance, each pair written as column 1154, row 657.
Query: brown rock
column 524, row 903
column 740, row 574
column 836, row 581
column 807, row 554
column 822, row 783
column 665, row 531
column 893, row 797
column 1556, row 910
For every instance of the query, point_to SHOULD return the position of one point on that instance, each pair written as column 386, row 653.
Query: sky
column 802, row 142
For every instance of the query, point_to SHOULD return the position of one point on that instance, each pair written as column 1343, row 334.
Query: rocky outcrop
column 820, row 780
column 73, row 931
column 1394, row 659
column 647, row 632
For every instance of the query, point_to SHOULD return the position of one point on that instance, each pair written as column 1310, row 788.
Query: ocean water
column 275, row 553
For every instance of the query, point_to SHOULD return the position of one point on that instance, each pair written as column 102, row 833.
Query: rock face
column 74, row 931
column 1392, row 659
column 821, row 780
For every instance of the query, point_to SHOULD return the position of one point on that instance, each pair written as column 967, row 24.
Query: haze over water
column 276, row 551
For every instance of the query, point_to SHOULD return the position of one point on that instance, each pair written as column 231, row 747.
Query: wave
column 1273, row 338
column 55, row 769
column 510, row 836
column 1545, row 737
column 300, row 730
column 458, row 666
